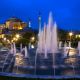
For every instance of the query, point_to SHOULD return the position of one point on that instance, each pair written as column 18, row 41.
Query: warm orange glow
column 20, row 28
column 17, row 35
column 76, row 36
column 14, row 39
column 33, row 38
column 4, row 39
column 70, row 33
column 79, row 35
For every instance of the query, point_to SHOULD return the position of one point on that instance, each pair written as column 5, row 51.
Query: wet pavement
column 68, row 66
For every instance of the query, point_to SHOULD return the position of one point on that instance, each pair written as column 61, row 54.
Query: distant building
column 15, row 23
column 2, row 26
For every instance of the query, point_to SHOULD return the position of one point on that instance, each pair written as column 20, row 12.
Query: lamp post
column 17, row 35
column 32, row 39
column 70, row 34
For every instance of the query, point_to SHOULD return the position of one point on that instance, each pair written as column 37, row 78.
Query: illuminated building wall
column 2, row 26
column 14, row 23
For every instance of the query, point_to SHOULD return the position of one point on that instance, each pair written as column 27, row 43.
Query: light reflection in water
column 70, row 60
column 19, row 59
column 72, row 52
column 68, row 72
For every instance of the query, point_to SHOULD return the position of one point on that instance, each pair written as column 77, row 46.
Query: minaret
column 29, row 24
column 39, row 21
column 39, row 46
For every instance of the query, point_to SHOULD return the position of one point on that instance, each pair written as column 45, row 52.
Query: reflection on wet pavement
column 21, row 65
column 64, row 66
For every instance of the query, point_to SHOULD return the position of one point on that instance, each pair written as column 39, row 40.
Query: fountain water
column 26, row 52
column 79, row 47
column 69, row 44
column 5, row 61
column 29, row 46
column 44, row 43
column 65, row 44
column 14, row 49
column 65, row 51
column 21, row 47
column 54, row 42
column 47, row 40
column 60, row 44
column 11, row 50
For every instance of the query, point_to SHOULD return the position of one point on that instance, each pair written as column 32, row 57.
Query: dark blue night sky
column 65, row 12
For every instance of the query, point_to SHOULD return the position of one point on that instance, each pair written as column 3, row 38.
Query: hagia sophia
column 13, row 24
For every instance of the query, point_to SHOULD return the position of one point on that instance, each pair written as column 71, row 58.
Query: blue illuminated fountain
column 47, row 38
column 48, row 60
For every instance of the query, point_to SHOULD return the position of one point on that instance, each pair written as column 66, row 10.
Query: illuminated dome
column 14, row 19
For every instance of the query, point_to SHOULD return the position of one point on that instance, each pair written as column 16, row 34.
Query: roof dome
column 14, row 19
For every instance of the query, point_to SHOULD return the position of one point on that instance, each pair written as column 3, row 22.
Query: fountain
column 65, row 44
column 79, row 48
column 69, row 44
column 47, row 60
column 11, row 49
column 54, row 42
column 29, row 46
column 21, row 47
column 14, row 49
column 47, row 40
column 60, row 45
column 65, row 50
column 26, row 52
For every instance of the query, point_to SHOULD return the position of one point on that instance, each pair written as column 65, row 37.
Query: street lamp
column 17, row 35
column 70, row 34
column 32, row 39
column 4, row 39
column 14, row 39
column 79, row 35
column 76, row 36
